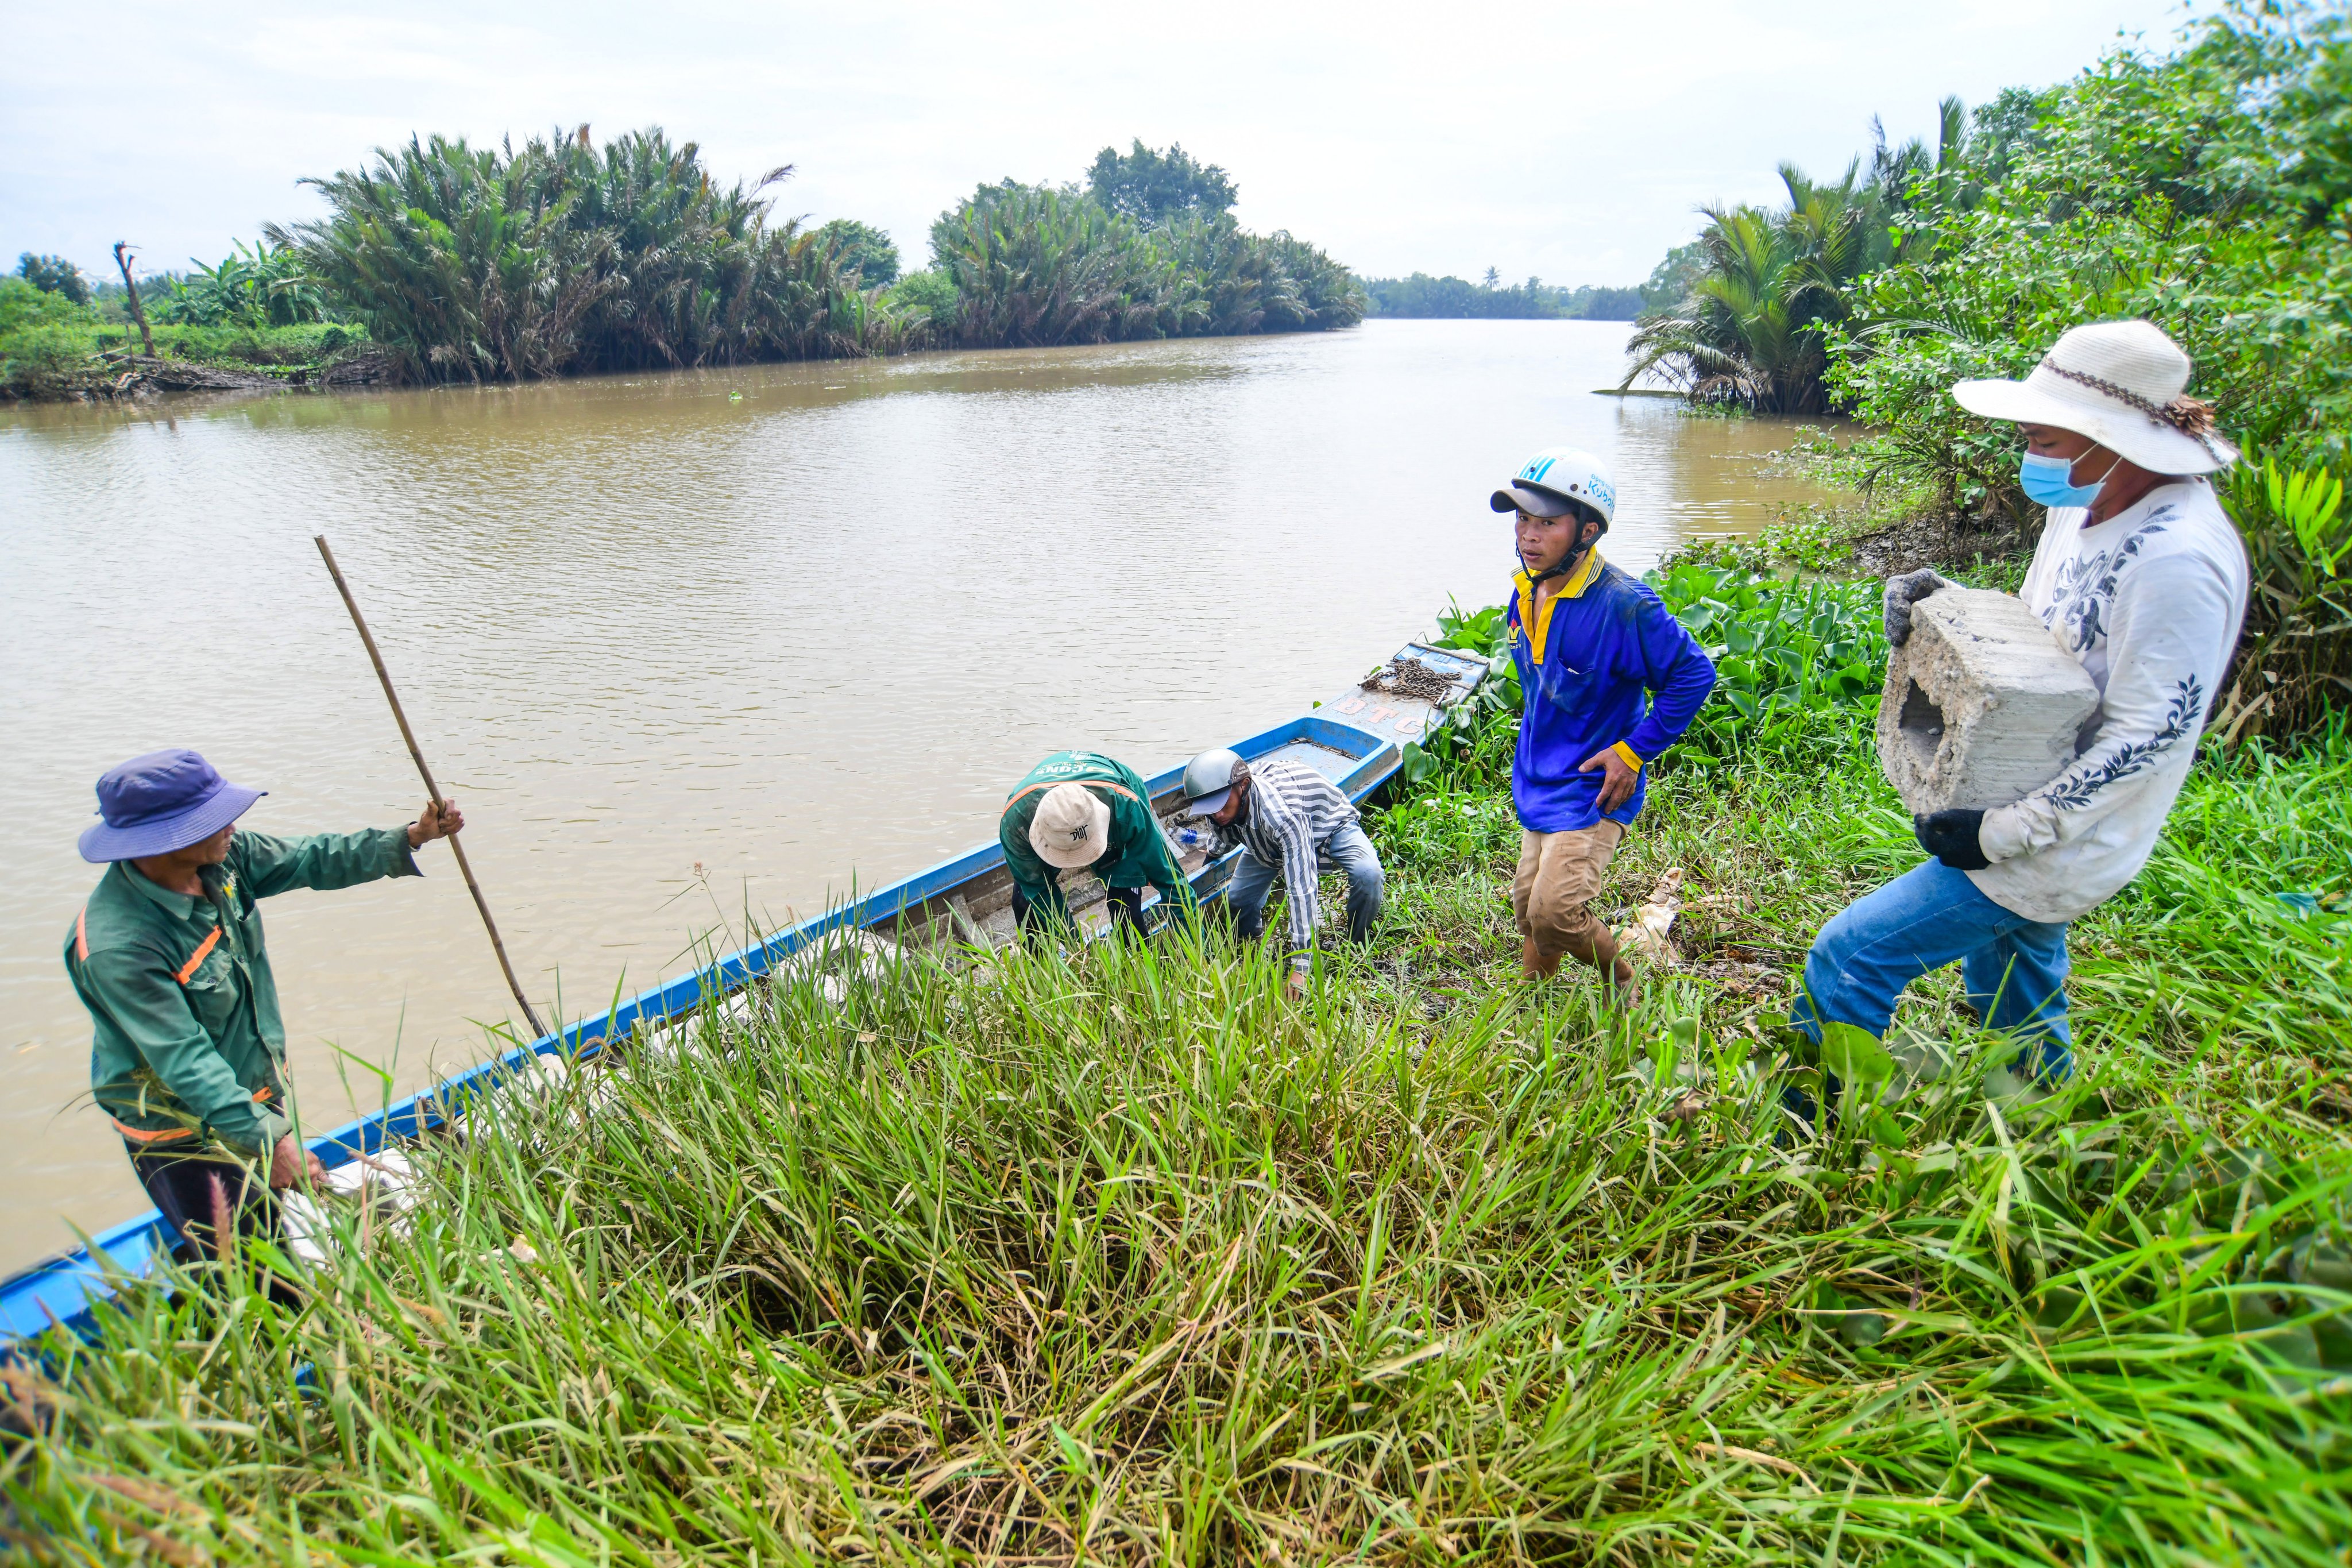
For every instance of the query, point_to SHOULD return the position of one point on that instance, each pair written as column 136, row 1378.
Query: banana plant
column 2295, row 662
column 2307, row 501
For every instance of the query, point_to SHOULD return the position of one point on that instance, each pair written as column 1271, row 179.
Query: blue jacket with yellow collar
column 1586, row 660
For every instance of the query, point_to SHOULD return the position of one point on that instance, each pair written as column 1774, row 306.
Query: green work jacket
column 189, row 1052
column 1137, row 850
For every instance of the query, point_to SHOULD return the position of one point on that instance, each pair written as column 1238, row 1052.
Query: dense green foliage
column 2209, row 190
column 1034, row 266
column 24, row 305
column 926, row 296
column 1671, row 279
column 267, row 286
column 43, row 334
column 1038, row 265
column 863, row 250
column 493, row 263
column 1424, row 296
column 2205, row 192
column 1151, row 187
column 54, row 275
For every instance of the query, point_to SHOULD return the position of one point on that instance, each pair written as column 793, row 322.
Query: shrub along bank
column 1033, row 266
column 52, row 347
column 1121, row 1256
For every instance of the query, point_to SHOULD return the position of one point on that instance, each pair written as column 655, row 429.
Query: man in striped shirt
column 1292, row 821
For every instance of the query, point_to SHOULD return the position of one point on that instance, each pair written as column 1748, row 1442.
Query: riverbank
column 472, row 265
column 1125, row 1258
column 89, row 360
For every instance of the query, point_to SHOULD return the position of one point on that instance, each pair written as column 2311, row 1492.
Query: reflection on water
column 685, row 654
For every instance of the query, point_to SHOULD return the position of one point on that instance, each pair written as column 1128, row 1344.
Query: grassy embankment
column 52, row 347
column 1127, row 1259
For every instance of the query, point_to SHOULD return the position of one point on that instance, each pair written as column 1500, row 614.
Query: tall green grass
column 1124, row 1257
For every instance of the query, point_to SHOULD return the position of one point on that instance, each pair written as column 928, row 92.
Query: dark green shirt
column 1137, row 852
column 188, row 1047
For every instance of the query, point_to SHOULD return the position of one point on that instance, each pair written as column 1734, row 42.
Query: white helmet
column 1557, row 481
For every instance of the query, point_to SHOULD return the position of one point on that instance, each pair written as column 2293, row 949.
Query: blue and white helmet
column 1558, row 480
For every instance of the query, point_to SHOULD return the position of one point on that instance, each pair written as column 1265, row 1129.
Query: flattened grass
column 1126, row 1258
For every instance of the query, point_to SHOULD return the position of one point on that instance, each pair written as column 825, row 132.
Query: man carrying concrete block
column 2142, row 579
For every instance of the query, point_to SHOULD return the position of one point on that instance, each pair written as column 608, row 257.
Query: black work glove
column 1951, row 836
column 1904, row 592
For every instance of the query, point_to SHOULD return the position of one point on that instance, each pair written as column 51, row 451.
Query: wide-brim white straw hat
column 1072, row 828
column 2122, row 384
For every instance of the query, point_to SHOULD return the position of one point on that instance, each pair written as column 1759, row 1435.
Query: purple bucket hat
column 159, row 802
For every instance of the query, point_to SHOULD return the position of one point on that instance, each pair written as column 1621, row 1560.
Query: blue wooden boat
column 1356, row 740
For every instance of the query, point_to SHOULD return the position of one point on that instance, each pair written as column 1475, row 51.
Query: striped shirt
column 1292, row 812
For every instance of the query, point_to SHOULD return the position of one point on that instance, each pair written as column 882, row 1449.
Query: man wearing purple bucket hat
column 189, row 1054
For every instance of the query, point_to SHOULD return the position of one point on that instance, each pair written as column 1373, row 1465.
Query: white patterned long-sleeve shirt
column 2150, row 602
column 1292, row 811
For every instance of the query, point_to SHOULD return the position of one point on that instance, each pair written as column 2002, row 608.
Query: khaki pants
column 1559, row 874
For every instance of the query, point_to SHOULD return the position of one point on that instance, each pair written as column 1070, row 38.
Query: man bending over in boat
column 1293, row 821
column 189, row 1055
column 1589, row 643
column 1082, row 809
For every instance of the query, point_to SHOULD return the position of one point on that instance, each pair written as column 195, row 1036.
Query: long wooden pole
column 432, row 790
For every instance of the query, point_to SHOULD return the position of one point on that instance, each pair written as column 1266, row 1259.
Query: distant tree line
column 1424, row 296
column 558, row 255
column 1145, row 248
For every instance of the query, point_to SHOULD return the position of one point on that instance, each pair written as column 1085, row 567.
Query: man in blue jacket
column 1611, row 681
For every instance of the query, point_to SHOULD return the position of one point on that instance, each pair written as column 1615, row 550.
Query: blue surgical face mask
column 2049, row 481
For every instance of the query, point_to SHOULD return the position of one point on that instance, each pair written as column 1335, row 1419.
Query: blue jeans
column 1347, row 848
column 2012, row 969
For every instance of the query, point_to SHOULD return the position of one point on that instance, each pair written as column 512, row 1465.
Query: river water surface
column 689, row 644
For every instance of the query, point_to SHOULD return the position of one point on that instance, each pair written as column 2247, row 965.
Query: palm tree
column 1753, row 328
column 494, row 264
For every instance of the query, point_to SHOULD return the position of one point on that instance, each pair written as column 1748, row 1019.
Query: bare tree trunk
column 122, row 259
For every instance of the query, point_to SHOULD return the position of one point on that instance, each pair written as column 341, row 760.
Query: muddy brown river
column 690, row 645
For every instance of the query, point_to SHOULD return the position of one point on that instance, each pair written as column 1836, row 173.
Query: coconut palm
column 494, row 264
column 1035, row 267
column 1752, row 329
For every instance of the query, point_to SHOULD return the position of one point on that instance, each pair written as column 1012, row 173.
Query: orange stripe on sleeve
column 162, row 1135
column 81, row 935
column 188, row 970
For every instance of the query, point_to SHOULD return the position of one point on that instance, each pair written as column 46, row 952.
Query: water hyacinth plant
column 1798, row 669
column 1788, row 653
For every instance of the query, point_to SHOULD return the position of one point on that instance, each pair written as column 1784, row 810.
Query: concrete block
column 1982, row 706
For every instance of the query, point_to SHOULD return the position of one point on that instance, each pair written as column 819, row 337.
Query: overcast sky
column 1567, row 141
